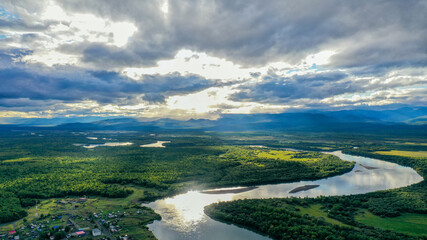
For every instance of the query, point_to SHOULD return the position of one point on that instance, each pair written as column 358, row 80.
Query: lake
column 107, row 144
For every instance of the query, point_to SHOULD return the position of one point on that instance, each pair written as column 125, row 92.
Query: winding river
column 183, row 216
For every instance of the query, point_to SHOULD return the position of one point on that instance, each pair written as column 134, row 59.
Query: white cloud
column 191, row 62
column 9, row 114
column 71, row 28
column 51, row 58
column 320, row 58
column 165, row 7
column 80, row 27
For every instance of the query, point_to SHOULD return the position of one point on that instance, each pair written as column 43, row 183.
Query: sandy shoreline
column 158, row 144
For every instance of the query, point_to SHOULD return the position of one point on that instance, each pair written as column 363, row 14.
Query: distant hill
column 398, row 115
column 402, row 119
column 48, row 121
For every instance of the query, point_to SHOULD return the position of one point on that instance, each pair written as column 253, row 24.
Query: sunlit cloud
column 181, row 59
column 51, row 58
column 190, row 62
column 165, row 7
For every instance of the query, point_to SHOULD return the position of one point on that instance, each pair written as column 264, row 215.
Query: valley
column 118, row 179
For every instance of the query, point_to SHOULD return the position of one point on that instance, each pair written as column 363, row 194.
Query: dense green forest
column 54, row 164
column 280, row 219
column 43, row 165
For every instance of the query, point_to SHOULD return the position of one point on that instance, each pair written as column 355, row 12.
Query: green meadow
column 408, row 223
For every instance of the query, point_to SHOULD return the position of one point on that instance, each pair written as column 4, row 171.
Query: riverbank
column 356, row 211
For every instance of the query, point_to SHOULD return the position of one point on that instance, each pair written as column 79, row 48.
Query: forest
column 281, row 219
column 51, row 164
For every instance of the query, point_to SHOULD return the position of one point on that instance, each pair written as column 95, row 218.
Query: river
column 183, row 216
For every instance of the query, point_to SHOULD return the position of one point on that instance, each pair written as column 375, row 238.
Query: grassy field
column 408, row 223
column 417, row 154
column 314, row 210
column 275, row 154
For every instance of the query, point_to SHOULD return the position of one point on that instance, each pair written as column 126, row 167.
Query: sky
column 200, row 59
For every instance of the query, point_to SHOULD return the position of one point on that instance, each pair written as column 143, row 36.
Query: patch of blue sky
column 293, row 70
column 4, row 14
column 2, row 36
column 313, row 67
column 316, row 67
column 417, row 86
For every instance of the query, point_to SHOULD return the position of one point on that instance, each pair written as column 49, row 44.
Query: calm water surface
column 183, row 217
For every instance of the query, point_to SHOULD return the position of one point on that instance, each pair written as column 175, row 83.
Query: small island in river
column 368, row 167
column 303, row 188
column 230, row 190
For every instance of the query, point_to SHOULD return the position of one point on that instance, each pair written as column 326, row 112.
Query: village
column 72, row 219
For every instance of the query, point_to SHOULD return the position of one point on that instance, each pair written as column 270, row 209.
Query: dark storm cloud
column 367, row 33
column 154, row 98
column 274, row 89
column 23, row 102
column 7, row 57
column 104, row 87
column 312, row 87
column 111, row 56
column 255, row 32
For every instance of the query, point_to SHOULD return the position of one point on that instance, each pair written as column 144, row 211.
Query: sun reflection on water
column 186, row 210
column 183, row 216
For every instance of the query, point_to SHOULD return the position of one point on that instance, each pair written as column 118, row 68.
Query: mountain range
column 406, row 119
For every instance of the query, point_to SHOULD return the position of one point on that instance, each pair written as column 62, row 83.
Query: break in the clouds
column 192, row 59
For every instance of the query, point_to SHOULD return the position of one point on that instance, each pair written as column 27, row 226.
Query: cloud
column 143, row 57
column 276, row 89
column 249, row 33
column 333, row 88
column 100, row 86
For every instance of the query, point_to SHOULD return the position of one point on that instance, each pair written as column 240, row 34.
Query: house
column 80, row 233
column 96, row 232
column 16, row 237
column 12, row 232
